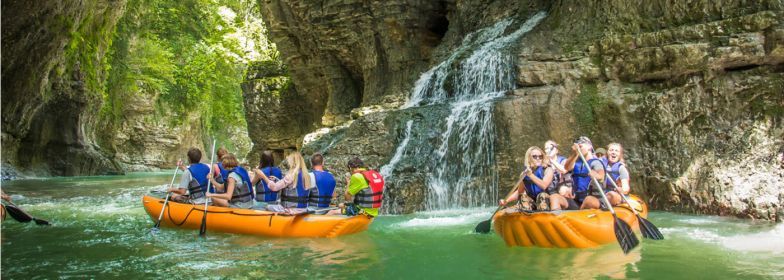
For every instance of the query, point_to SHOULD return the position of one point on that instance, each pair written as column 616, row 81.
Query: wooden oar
column 484, row 226
column 168, row 194
column 21, row 216
column 203, row 227
column 647, row 228
column 623, row 233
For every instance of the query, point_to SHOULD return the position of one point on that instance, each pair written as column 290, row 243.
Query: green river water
column 100, row 230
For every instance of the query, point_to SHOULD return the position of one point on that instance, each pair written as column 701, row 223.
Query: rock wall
column 691, row 88
column 51, row 80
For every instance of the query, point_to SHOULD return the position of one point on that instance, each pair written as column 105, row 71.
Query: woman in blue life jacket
column 264, row 195
column 616, row 171
column 295, row 184
column 193, row 182
column 584, row 186
column 238, row 192
column 562, row 180
column 534, row 181
column 556, row 162
column 220, row 172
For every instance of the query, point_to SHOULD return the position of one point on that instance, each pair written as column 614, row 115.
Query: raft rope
column 271, row 215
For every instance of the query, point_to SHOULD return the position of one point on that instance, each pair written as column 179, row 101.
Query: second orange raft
column 255, row 222
column 564, row 229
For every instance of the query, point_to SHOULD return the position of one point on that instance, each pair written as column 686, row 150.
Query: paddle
column 21, row 216
column 168, row 194
column 484, row 226
column 623, row 232
column 647, row 228
column 203, row 227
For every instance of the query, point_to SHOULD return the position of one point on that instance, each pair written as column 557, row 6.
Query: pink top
column 280, row 184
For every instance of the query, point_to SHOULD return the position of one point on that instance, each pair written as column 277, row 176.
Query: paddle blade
column 483, row 227
column 625, row 235
column 18, row 214
column 203, row 228
column 649, row 230
column 41, row 222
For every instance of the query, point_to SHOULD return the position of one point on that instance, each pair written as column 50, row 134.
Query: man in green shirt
column 356, row 183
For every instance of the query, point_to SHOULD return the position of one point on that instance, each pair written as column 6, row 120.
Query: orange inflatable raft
column 565, row 229
column 255, row 222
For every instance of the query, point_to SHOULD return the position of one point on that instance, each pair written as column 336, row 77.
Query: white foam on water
column 771, row 241
column 446, row 218
column 206, row 265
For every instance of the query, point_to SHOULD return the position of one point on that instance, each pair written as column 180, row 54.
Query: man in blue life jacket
column 320, row 195
column 584, row 186
column 193, row 182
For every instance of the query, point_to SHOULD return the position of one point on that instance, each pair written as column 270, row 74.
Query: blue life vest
column 613, row 173
column 581, row 176
column 223, row 172
column 295, row 197
column 241, row 194
column 321, row 195
column 263, row 192
column 198, row 185
column 530, row 187
column 556, row 175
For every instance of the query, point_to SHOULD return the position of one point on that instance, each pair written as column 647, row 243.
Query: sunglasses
column 538, row 157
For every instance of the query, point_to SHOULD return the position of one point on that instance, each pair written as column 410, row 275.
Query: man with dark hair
column 365, row 189
column 321, row 195
column 193, row 183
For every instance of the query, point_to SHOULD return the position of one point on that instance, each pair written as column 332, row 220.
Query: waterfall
column 386, row 170
column 462, row 169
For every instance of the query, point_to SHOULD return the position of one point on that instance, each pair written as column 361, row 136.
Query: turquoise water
column 100, row 230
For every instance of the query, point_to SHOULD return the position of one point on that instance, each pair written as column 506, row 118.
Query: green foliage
column 187, row 55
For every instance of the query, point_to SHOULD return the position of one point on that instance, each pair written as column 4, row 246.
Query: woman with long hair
column 295, row 183
column 264, row 195
column 534, row 181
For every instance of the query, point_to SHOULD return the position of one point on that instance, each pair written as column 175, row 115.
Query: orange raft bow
column 255, row 222
column 564, row 229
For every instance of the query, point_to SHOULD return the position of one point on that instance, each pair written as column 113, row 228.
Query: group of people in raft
column 555, row 182
column 266, row 187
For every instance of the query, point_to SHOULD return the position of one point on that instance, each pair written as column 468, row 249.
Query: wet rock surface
column 692, row 90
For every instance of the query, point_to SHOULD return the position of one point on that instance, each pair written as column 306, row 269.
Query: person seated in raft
column 556, row 162
column 193, row 182
column 583, row 175
column 321, row 194
column 221, row 173
column 237, row 192
column 365, row 187
column 264, row 195
column 616, row 171
column 295, row 186
column 601, row 154
column 535, row 179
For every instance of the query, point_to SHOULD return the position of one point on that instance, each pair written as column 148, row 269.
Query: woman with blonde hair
column 617, row 172
column 237, row 192
column 295, row 184
column 534, row 181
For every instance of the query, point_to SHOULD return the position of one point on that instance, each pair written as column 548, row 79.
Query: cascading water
column 462, row 171
column 386, row 170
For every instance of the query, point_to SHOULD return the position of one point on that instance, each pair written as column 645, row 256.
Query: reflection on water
column 100, row 230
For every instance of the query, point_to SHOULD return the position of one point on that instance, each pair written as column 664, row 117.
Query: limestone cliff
column 692, row 89
column 51, row 74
